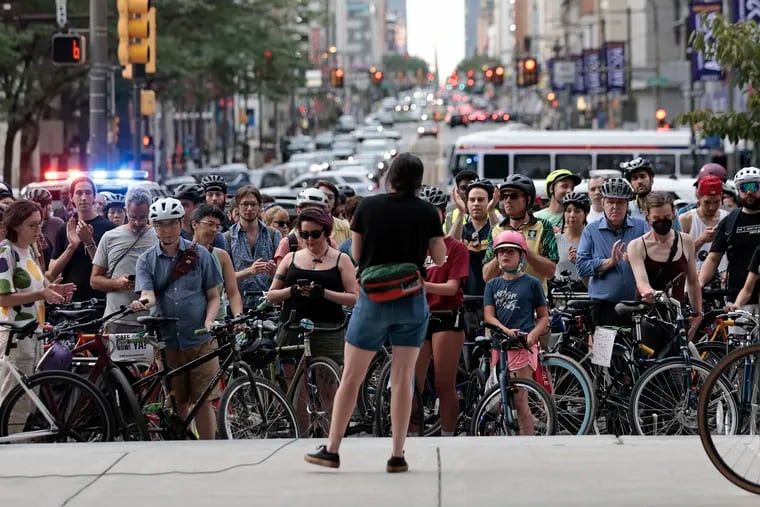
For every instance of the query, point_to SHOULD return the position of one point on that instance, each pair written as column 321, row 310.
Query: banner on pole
column 704, row 68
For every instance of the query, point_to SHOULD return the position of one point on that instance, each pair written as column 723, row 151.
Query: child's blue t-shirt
column 515, row 300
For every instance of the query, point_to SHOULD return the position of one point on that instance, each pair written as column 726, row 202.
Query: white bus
column 495, row 154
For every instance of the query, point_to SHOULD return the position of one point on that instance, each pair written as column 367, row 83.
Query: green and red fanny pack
column 388, row 282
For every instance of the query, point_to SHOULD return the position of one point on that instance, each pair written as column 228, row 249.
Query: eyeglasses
column 311, row 234
column 216, row 227
column 510, row 197
column 166, row 225
column 749, row 187
column 137, row 220
column 249, row 204
column 281, row 223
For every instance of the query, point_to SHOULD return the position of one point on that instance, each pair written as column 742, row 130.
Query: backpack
column 731, row 219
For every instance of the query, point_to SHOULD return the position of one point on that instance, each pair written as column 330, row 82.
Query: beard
column 751, row 203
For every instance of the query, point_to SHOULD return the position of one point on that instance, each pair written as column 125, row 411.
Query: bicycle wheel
column 573, row 395
column 664, row 400
column 79, row 410
column 712, row 352
column 366, row 401
column 490, row 420
column 313, row 396
column 241, row 415
column 734, row 455
column 130, row 422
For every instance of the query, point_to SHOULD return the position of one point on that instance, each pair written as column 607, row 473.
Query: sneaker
column 323, row 458
column 396, row 465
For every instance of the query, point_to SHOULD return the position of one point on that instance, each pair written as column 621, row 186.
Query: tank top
column 660, row 273
column 222, row 296
column 316, row 310
column 698, row 227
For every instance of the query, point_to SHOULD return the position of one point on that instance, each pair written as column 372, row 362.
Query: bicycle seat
column 629, row 307
column 25, row 329
column 582, row 304
column 155, row 320
column 76, row 314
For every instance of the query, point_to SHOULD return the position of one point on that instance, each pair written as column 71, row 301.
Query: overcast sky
column 435, row 25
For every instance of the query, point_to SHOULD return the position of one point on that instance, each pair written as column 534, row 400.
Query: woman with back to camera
column 392, row 235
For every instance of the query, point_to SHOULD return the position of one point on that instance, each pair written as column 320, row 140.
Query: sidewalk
column 557, row 471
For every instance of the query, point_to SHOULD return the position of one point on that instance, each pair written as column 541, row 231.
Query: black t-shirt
column 745, row 239
column 477, row 244
column 395, row 229
column 79, row 268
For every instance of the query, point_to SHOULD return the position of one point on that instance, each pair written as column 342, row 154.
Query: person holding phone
column 316, row 282
column 700, row 223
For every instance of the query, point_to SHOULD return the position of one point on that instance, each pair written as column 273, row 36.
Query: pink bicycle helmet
column 510, row 239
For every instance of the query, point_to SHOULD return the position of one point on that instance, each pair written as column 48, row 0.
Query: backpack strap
column 228, row 242
column 731, row 219
column 293, row 242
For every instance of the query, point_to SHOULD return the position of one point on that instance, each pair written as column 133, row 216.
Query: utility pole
column 138, row 70
column 98, row 49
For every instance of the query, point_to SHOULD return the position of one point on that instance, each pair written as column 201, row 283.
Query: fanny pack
column 388, row 282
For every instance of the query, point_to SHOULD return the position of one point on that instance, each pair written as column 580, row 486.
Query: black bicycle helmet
column 480, row 183
column 214, row 183
column 522, row 183
column 345, row 192
column 465, row 175
column 617, row 188
column 259, row 352
column 190, row 192
column 433, row 195
column 637, row 164
column 578, row 199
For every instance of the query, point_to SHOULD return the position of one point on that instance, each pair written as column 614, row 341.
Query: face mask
column 662, row 227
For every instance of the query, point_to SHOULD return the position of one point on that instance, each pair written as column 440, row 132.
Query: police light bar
column 63, row 175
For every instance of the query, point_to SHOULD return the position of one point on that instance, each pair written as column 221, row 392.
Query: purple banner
column 614, row 63
column 579, row 85
column 705, row 68
column 746, row 10
column 592, row 71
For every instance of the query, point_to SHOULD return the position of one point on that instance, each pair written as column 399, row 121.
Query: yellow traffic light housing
column 147, row 102
column 136, row 37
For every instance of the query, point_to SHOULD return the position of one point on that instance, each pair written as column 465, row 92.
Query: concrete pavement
column 556, row 471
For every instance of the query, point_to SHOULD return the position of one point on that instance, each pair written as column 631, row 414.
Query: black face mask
column 662, row 227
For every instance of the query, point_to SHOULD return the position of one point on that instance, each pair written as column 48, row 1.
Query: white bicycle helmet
column 433, row 195
column 746, row 175
column 39, row 195
column 730, row 188
column 167, row 208
column 312, row 196
column 617, row 188
column 113, row 200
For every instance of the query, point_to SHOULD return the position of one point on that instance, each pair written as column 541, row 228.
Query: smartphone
column 131, row 278
column 303, row 282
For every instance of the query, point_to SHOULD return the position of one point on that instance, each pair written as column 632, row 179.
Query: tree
column 476, row 63
column 737, row 48
column 408, row 65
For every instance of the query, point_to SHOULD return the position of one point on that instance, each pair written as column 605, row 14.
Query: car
column 172, row 183
column 267, row 177
column 385, row 118
column 298, row 144
column 343, row 150
column 427, row 128
column 324, row 140
column 345, row 123
column 317, row 160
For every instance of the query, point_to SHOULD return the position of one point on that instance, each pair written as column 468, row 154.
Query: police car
column 117, row 181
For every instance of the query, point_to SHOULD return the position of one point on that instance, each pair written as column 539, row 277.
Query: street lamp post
column 657, row 62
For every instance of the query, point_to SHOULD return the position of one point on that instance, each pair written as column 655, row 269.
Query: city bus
column 495, row 154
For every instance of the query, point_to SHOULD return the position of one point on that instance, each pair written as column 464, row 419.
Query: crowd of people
column 403, row 261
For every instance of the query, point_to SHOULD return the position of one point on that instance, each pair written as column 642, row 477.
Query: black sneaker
column 323, row 458
column 396, row 465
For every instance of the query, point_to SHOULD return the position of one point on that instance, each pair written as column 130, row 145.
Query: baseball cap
column 710, row 185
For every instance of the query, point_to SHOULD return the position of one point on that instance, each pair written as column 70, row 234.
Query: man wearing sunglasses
column 517, row 194
column 180, row 280
column 737, row 235
column 115, row 262
column 251, row 245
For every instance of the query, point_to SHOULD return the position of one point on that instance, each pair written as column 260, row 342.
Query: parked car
column 324, row 140
column 427, row 128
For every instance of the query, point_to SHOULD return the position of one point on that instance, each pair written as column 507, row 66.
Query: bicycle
column 498, row 412
column 315, row 380
column 250, row 406
column 58, row 406
column 734, row 455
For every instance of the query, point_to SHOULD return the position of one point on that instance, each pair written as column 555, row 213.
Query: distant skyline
column 435, row 26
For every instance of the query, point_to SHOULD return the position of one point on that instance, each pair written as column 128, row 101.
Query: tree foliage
column 477, row 62
column 737, row 47
column 409, row 65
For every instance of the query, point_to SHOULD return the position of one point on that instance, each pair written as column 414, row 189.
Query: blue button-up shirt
column 184, row 298
column 617, row 284
column 243, row 256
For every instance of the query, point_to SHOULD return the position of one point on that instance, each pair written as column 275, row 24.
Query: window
column 664, row 165
column 533, row 166
column 495, row 166
column 612, row 160
column 463, row 161
column 352, row 179
column 272, row 180
column 579, row 164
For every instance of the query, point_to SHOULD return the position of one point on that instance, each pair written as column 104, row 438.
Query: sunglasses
column 749, row 187
column 510, row 197
column 281, row 223
column 311, row 234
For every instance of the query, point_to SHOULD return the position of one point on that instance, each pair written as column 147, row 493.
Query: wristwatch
column 697, row 314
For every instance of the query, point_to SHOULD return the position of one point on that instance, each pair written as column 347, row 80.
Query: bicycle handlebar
column 251, row 313
column 521, row 338
column 123, row 310
column 290, row 325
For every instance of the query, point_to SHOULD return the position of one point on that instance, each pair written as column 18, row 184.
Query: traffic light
column 661, row 116
column 498, row 76
column 530, row 72
column 377, row 78
column 470, row 73
column 489, row 75
column 147, row 141
column 69, row 49
column 137, row 37
column 336, row 77
column 551, row 97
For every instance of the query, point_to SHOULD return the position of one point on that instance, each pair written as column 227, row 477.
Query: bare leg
column 356, row 362
column 447, row 348
column 205, row 421
column 421, row 368
column 524, row 415
column 402, row 368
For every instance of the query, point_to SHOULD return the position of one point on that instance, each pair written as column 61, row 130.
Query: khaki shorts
column 190, row 385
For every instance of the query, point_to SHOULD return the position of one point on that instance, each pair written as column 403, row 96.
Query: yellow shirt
column 341, row 230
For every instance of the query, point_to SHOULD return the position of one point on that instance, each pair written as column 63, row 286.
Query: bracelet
column 697, row 314
column 90, row 245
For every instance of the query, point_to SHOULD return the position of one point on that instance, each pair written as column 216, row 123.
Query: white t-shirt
column 19, row 272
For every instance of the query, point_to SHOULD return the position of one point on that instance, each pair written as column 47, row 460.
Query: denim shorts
column 403, row 322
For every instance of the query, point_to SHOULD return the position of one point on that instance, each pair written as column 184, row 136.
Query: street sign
column 69, row 49
column 313, row 78
column 564, row 72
